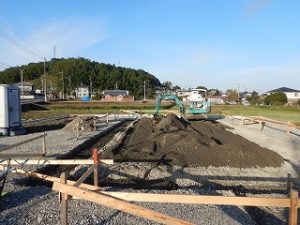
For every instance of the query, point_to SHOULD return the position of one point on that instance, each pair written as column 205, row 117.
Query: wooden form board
column 50, row 178
column 118, row 204
column 168, row 198
column 21, row 156
column 201, row 199
column 55, row 161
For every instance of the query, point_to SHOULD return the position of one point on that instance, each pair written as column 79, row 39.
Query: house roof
column 116, row 92
column 283, row 89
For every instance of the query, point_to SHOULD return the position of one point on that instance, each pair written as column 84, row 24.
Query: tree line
column 69, row 73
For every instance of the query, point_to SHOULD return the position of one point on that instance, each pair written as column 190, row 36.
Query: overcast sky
column 245, row 44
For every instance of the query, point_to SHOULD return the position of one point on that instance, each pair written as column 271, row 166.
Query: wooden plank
column 21, row 143
column 293, row 213
column 56, row 161
column 63, row 202
column 118, row 204
column 21, row 155
column 84, row 176
column 50, row 178
column 196, row 199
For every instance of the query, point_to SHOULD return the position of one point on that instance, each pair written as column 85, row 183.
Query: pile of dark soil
column 200, row 143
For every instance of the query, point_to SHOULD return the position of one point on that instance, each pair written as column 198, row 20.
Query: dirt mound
column 81, row 123
column 202, row 143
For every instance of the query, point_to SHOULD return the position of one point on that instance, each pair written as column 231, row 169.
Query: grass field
column 281, row 113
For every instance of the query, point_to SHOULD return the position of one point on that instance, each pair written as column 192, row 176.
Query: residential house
column 27, row 90
column 291, row 94
column 117, row 96
column 26, row 87
column 82, row 91
column 192, row 94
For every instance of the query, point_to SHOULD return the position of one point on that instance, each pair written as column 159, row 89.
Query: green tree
column 254, row 98
column 232, row 95
column 276, row 99
column 103, row 76
column 202, row 87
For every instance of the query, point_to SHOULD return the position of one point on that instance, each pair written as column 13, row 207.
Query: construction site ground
column 163, row 156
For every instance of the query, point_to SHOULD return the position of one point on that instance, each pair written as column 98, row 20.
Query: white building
column 198, row 95
column 26, row 87
column 82, row 91
column 291, row 94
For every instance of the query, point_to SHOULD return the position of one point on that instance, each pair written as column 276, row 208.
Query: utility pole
column 70, row 88
column 45, row 80
column 63, row 83
column 54, row 51
column 144, row 90
column 22, row 88
column 91, row 87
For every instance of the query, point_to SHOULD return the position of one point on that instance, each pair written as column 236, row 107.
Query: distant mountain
column 73, row 72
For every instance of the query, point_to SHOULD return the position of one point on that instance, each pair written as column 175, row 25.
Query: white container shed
column 10, row 110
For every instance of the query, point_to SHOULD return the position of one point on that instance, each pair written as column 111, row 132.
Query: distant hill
column 79, row 71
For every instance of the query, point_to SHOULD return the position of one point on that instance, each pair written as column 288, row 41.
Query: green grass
column 280, row 113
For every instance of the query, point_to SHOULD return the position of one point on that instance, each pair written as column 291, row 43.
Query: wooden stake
column 288, row 134
column 96, row 163
column 293, row 214
column 63, row 202
column 84, row 176
column 44, row 144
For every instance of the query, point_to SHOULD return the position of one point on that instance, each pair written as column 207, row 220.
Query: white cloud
column 69, row 36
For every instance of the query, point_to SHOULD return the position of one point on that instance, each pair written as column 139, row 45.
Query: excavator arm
column 159, row 98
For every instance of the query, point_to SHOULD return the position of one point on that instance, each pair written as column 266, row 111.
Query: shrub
column 276, row 99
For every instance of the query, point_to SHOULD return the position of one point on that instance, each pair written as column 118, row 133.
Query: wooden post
column 96, row 163
column 288, row 185
column 242, row 119
column 262, row 125
column 44, row 144
column 63, row 202
column 288, row 134
column 95, row 124
column 78, row 124
column 107, row 118
column 293, row 214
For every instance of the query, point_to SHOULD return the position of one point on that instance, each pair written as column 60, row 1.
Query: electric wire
column 4, row 65
column 15, row 42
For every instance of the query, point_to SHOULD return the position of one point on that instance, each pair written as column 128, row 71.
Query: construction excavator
column 195, row 110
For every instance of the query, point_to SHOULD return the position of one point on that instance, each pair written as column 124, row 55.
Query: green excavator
column 195, row 110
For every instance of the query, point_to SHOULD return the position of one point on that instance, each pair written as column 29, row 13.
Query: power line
column 15, row 42
column 4, row 65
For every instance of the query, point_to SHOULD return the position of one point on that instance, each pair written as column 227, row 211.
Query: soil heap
column 200, row 143
column 81, row 123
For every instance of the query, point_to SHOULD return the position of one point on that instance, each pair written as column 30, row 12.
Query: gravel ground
column 59, row 142
column 39, row 205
